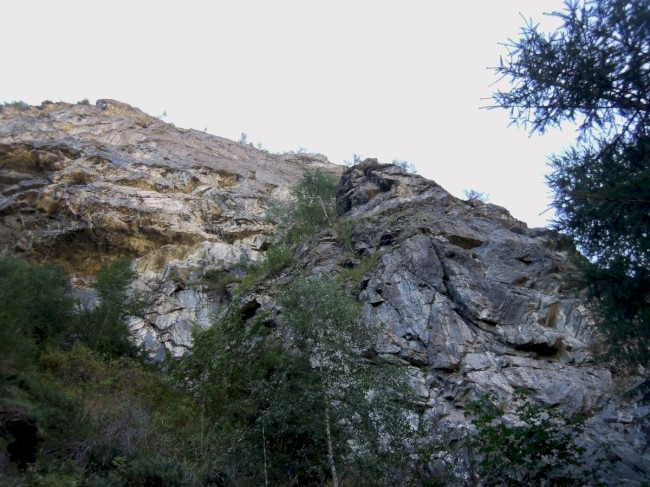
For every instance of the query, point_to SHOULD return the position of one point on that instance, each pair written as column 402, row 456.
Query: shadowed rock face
column 22, row 435
column 81, row 184
column 468, row 296
column 474, row 301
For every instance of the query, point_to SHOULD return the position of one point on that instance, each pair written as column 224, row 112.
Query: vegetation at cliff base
column 298, row 402
column 78, row 406
column 35, row 311
column 301, row 402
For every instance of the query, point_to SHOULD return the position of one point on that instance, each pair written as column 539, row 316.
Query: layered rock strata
column 81, row 184
column 467, row 296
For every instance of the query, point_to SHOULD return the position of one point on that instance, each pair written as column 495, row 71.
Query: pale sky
column 386, row 79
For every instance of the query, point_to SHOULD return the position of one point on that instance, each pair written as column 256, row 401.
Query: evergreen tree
column 595, row 71
column 35, row 310
column 105, row 328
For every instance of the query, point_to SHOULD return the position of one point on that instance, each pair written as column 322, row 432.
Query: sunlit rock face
column 82, row 184
column 471, row 299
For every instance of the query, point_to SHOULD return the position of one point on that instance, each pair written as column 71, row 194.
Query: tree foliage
column 70, row 415
column 595, row 71
column 228, row 374
column 292, row 402
column 311, row 207
column 35, row 309
column 105, row 327
column 539, row 449
column 359, row 407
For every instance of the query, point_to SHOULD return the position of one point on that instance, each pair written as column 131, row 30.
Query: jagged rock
column 473, row 295
column 81, row 184
column 471, row 298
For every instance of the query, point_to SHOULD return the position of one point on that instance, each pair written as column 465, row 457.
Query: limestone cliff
column 469, row 297
column 80, row 184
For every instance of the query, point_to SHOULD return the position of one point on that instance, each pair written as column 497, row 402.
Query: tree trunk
column 328, row 429
column 322, row 204
column 327, row 217
column 330, row 449
column 266, row 471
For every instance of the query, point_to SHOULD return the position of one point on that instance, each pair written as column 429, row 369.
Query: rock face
column 469, row 297
column 474, row 301
column 81, row 184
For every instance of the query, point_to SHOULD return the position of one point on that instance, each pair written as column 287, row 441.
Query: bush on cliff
column 105, row 328
column 539, row 448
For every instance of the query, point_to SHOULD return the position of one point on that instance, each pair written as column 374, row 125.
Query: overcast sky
column 386, row 79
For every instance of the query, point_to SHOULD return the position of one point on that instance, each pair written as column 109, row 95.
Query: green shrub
column 218, row 279
column 357, row 272
column 311, row 208
column 540, row 449
column 278, row 257
column 105, row 328
column 35, row 310
column 152, row 472
column 44, row 479
column 15, row 104
column 345, row 232
column 406, row 165
column 125, row 409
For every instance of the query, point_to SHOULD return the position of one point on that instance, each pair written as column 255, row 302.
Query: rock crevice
column 471, row 299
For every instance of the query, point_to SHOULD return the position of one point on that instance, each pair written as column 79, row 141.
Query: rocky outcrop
column 475, row 301
column 471, row 299
column 81, row 184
